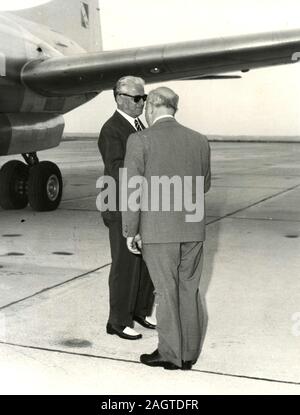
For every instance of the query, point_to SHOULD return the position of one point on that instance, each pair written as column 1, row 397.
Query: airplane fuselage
column 52, row 61
column 30, row 121
column 21, row 42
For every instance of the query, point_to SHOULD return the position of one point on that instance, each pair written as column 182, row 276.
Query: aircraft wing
column 95, row 72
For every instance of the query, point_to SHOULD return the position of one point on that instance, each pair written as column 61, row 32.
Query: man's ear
column 117, row 99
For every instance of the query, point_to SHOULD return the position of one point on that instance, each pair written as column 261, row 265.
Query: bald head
column 161, row 101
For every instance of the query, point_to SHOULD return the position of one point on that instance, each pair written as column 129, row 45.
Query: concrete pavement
column 54, row 297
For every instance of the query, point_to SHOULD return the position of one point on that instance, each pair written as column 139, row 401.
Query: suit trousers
column 131, row 292
column 175, row 269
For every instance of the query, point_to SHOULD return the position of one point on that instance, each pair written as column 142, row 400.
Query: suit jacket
column 166, row 149
column 112, row 145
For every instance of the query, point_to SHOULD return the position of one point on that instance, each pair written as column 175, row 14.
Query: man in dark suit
column 169, row 231
column 130, row 287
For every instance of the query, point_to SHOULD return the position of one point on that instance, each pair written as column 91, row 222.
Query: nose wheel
column 37, row 183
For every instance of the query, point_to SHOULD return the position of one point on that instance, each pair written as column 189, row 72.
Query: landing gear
column 37, row 183
column 44, row 186
column 13, row 185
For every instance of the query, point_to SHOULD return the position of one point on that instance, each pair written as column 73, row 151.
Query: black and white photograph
column 149, row 199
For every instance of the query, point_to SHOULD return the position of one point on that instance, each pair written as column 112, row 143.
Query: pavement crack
column 93, row 356
column 228, row 215
column 44, row 290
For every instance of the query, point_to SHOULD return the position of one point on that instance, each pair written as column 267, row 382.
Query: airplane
column 52, row 61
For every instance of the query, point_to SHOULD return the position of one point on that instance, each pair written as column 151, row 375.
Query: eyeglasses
column 136, row 98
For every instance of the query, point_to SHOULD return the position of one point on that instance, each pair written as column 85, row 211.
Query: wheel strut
column 31, row 159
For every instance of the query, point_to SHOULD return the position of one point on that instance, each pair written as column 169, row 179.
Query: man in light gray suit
column 165, row 220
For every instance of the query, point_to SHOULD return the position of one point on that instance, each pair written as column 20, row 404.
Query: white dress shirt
column 128, row 118
column 163, row 116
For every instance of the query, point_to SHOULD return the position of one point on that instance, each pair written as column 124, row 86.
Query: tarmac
column 54, row 293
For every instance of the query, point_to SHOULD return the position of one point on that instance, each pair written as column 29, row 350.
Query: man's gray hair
column 125, row 81
column 164, row 97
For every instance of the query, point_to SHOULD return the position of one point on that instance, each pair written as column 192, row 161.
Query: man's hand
column 134, row 244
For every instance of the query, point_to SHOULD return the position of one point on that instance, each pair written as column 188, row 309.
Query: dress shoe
column 186, row 365
column 155, row 359
column 123, row 332
column 143, row 322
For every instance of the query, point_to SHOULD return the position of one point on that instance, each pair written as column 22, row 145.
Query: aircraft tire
column 13, row 181
column 45, row 186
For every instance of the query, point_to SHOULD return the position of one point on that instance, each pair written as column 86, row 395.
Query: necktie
column 138, row 124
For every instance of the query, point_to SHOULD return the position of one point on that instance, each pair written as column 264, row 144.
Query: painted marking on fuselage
column 85, row 20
